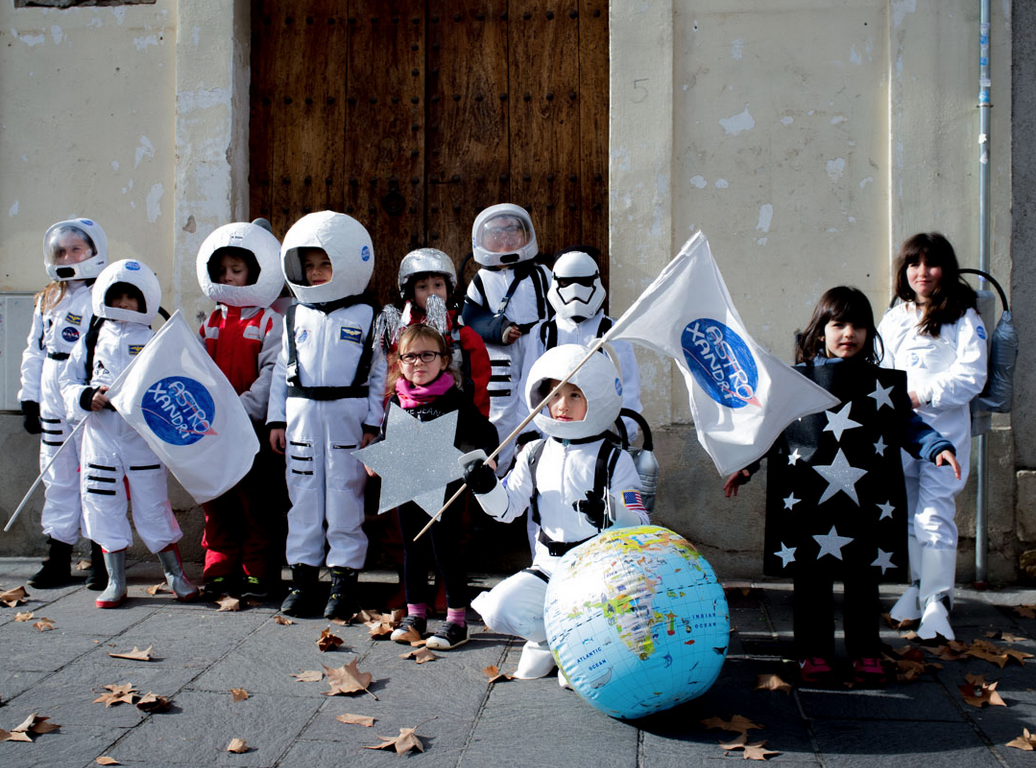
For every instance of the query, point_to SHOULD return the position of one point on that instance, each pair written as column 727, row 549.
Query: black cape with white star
column 835, row 497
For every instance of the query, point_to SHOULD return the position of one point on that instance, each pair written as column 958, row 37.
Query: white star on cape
column 831, row 544
column 840, row 476
column 881, row 396
column 884, row 560
column 886, row 510
column 879, row 447
column 793, row 457
column 416, row 460
column 839, row 422
column 787, row 555
column 791, row 501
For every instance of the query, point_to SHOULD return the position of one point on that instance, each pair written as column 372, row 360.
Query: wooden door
column 414, row 116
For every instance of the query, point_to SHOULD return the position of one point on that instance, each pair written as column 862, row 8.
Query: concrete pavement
column 201, row 654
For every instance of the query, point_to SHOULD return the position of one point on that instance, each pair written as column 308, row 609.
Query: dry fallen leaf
column 309, row 676
column 44, row 624
column 1026, row 741
column 154, row 590
column 1025, row 611
column 771, row 682
column 420, row 655
column 737, row 724
column 228, row 603
column 117, row 694
column 24, row 616
column 135, row 655
column 284, row 620
column 107, row 761
column 363, row 720
column 738, row 743
column 977, row 692
column 151, row 702
column 347, row 679
column 380, row 624
column 237, row 745
column 84, row 565
column 404, row 742
column 494, row 674
column 327, row 641
column 240, row 694
column 33, row 724
column 410, row 636
column 758, row 751
column 13, row 597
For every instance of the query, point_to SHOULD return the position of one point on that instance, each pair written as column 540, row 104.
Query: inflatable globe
column 637, row 621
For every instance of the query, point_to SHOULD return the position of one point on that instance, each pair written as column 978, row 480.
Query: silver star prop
column 881, row 396
column 416, row 460
column 840, row 476
column 839, row 422
column 831, row 543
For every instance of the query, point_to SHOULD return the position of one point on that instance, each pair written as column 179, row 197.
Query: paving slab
column 908, row 744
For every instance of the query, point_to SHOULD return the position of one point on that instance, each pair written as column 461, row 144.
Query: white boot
column 908, row 606
column 938, row 567
column 536, row 661
column 174, row 575
column 115, row 593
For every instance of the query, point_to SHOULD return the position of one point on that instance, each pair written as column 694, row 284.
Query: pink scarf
column 413, row 395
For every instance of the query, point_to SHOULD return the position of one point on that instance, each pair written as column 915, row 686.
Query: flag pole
column 598, row 343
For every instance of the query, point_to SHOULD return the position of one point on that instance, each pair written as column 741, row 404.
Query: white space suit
column 52, row 337
column 112, row 450
column 565, row 469
column 325, row 405
column 946, row 372
column 527, row 305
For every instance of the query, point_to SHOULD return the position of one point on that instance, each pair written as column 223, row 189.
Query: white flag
column 180, row 402
column 742, row 397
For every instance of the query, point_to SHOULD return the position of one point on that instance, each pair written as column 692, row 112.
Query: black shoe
column 56, row 570
column 302, row 600
column 254, row 588
column 418, row 624
column 342, row 603
column 448, row 636
column 221, row 586
column 97, row 576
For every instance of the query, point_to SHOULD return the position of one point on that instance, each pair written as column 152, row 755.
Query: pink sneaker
column 815, row 671
column 868, row 671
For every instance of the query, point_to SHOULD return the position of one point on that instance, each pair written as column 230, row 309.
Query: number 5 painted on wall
column 640, row 91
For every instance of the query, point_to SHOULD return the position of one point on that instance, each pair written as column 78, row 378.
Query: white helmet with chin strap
column 139, row 279
column 576, row 291
column 348, row 246
column 261, row 252
column 503, row 235
column 424, row 261
column 55, row 240
column 598, row 379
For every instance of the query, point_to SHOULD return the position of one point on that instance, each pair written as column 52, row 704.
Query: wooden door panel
column 594, row 82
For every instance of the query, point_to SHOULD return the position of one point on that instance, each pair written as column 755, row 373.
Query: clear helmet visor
column 503, row 235
column 74, row 250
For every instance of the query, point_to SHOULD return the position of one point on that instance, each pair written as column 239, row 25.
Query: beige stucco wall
column 806, row 139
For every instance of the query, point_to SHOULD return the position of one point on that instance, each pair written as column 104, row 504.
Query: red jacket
column 244, row 343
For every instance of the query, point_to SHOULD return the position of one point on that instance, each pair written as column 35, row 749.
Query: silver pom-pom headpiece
column 387, row 327
column 436, row 314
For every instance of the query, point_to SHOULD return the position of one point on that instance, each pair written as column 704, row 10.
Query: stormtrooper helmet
column 260, row 251
column 348, row 247
column 425, row 261
column 503, row 235
column 576, row 291
column 70, row 239
column 598, row 379
column 134, row 278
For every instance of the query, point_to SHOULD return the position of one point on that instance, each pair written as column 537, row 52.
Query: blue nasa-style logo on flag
column 720, row 362
column 69, row 334
column 179, row 410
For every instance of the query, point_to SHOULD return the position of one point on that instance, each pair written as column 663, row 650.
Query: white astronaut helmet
column 598, row 379
column 576, row 291
column 260, row 251
column 135, row 278
column 348, row 246
column 503, row 235
column 426, row 260
column 56, row 242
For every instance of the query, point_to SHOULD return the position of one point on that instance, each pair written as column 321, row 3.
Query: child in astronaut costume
column 239, row 267
column 937, row 337
column 74, row 253
column 505, row 299
column 326, row 401
column 125, row 302
column 577, row 483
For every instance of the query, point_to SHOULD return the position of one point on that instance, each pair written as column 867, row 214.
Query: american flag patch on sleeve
column 633, row 501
